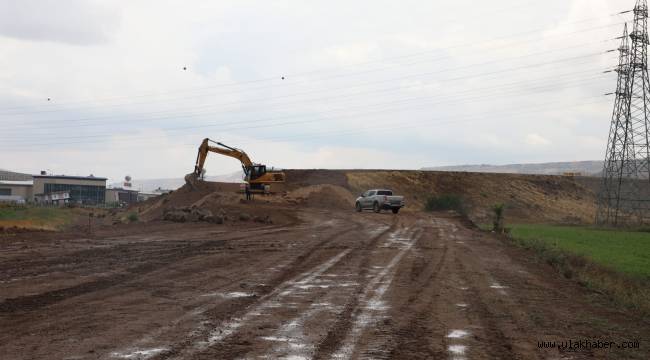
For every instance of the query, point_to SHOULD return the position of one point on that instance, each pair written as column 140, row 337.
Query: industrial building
column 121, row 196
column 87, row 190
column 18, row 191
column 60, row 190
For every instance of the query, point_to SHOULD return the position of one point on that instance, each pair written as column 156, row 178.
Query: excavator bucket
column 191, row 180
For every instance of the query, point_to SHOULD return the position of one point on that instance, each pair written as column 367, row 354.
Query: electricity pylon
column 624, row 198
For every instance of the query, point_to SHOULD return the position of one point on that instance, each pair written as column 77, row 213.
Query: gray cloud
column 76, row 22
column 492, row 83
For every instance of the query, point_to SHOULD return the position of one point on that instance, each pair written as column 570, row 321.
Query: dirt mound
column 299, row 178
column 322, row 196
column 194, row 214
column 217, row 203
column 528, row 198
column 185, row 196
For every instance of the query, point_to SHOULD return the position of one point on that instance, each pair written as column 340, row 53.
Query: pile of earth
column 197, row 214
column 214, row 203
column 322, row 196
column 527, row 198
column 185, row 196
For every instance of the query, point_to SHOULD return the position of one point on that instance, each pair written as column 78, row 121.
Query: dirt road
column 332, row 286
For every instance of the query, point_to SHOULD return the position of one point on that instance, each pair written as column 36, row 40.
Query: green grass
column 627, row 252
column 614, row 263
column 34, row 217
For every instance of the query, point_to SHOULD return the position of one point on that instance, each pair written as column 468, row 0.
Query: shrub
column 498, row 217
column 132, row 217
column 444, row 202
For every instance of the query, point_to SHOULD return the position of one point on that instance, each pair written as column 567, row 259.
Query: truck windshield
column 385, row 192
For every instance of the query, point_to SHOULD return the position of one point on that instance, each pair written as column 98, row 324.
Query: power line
column 93, row 139
column 450, row 98
column 166, row 115
column 392, row 80
column 374, row 129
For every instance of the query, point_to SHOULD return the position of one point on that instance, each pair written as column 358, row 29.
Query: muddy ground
column 315, row 284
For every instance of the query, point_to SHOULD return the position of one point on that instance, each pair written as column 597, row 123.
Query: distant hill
column 14, row 176
column 586, row 168
column 148, row 185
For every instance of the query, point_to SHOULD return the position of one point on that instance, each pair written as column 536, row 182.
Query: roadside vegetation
column 444, row 202
column 133, row 217
column 615, row 263
column 497, row 223
column 39, row 218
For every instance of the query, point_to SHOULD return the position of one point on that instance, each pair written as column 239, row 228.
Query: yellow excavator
column 256, row 175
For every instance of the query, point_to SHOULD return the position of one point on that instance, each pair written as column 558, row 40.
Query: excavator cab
column 256, row 171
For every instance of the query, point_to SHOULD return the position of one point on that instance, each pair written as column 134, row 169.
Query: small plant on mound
column 132, row 217
column 444, row 202
column 498, row 218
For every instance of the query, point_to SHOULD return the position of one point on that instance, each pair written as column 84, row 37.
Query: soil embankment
column 528, row 198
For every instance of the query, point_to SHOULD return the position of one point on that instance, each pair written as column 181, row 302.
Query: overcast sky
column 132, row 87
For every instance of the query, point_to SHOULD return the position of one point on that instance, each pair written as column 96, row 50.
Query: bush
column 132, row 217
column 444, row 202
column 498, row 218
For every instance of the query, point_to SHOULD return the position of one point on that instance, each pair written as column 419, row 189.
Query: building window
column 5, row 192
column 85, row 194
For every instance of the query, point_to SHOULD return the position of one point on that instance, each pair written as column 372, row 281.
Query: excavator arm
column 223, row 150
column 255, row 174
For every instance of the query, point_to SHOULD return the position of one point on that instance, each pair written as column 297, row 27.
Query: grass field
column 627, row 252
column 34, row 217
column 615, row 263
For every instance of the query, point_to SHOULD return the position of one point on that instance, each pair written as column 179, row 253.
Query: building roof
column 17, row 182
column 70, row 177
column 122, row 189
column 150, row 193
column 12, row 176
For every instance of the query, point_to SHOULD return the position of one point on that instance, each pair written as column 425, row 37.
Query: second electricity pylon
column 624, row 198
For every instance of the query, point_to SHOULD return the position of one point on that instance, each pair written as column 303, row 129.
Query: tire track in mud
column 420, row 334
column 221, row 313
column 468, row 282
column 498, row 344
column 169, row 253
column 301, row 343
column 345, row 322
column 131, row 247
column 411, row 341
column 374, row 308
column 345, row 255
column 37, row 301
column 225, row 346
column 509, row 328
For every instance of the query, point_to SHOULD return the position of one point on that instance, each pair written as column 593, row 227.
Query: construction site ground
column 316, row 281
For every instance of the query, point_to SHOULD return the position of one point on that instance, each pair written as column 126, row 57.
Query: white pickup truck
column 378, row 200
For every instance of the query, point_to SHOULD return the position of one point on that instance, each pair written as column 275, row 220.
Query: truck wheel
column 358, row 207
column 375, row 207
column 395, row 210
